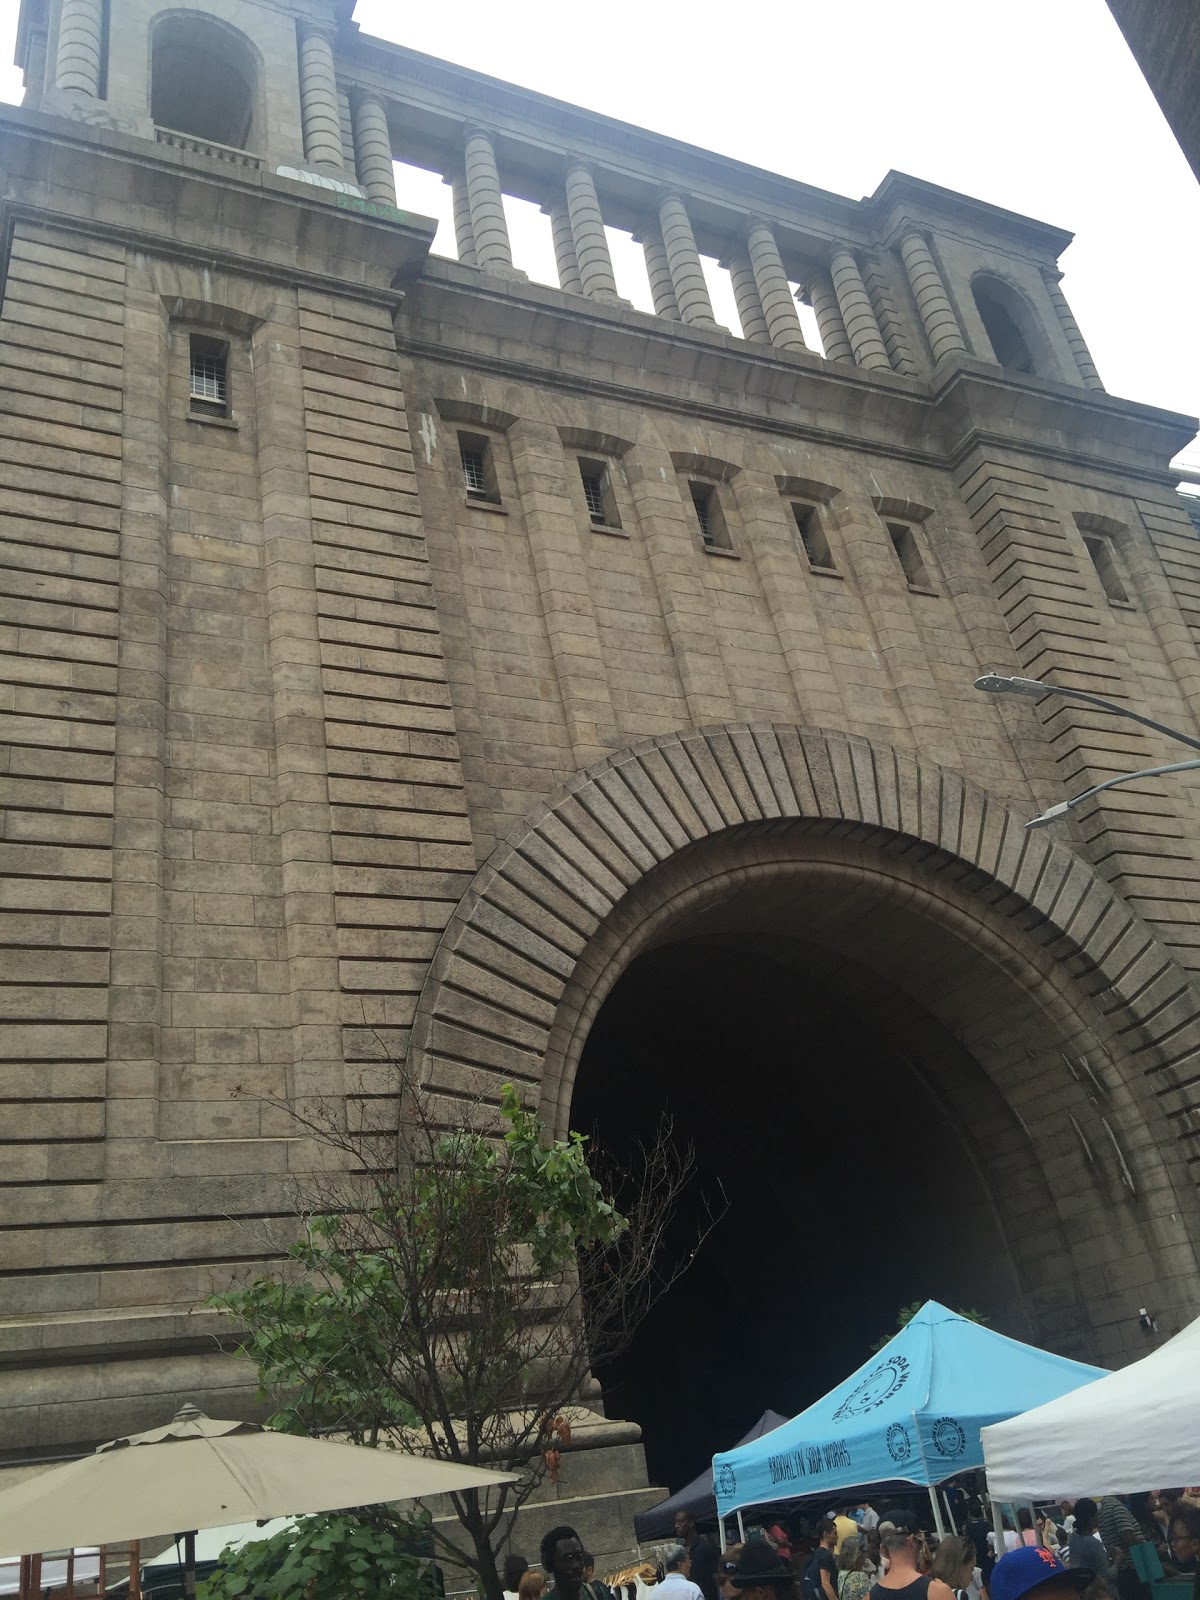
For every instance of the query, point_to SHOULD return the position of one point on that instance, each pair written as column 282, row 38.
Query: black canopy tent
column 697, row 1497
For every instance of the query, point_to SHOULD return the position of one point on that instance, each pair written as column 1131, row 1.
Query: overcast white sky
column 1032, row 104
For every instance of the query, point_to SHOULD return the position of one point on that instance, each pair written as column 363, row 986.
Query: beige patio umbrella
column 201, row 1473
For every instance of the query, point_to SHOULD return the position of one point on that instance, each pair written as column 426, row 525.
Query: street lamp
column 1034, row 689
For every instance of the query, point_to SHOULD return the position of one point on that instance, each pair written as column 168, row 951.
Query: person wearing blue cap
column 1033, row 1570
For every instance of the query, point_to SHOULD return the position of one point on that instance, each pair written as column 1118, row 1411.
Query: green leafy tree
column 329, row 1558
column 450, row 1294
column 906, row 1313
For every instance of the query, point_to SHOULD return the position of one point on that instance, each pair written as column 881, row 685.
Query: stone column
column 319, row 102
column 658, row 270
column 687, row 275
column 464, row 228
column 1066, row 318
column 941, row 325
column 373, row 149
column 587, row 230
column 564, row 247
column 779, row 308
column 820, row 295
column 492, row 249
column 80, row 47
column 745, row 293
column 861, row 327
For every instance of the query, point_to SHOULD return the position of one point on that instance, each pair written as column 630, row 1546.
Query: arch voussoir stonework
column 497, row 986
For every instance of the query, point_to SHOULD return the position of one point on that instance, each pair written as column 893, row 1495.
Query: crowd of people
column 1114, row 1548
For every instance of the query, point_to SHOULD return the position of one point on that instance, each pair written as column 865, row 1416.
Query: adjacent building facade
column 397, row 650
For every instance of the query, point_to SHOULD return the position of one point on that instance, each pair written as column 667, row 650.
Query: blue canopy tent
column 697, row 1497
column 911, row 1414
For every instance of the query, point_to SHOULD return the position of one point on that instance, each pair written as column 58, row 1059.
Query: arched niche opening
column 1008, row 323
column 875, row 1078
column 204, row 80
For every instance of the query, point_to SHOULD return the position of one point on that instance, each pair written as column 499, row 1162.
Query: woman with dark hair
column 1085, row 1550
column 514, row 1569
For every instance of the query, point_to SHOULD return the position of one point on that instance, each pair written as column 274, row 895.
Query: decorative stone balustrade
column 208, row 147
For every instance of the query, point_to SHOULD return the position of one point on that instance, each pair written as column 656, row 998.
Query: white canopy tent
column 1136, row 1429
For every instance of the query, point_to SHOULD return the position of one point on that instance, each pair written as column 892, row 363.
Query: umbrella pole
column 938, row 1524
column 189, row 1566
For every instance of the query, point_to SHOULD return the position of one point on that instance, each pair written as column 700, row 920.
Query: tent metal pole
column 741, row 1528
column 720, row 1531
column 937, row 1513
column 998, row 1527
column 949, row 1511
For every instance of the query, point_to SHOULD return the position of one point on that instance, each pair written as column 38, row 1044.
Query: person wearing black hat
column 1034, row 1570
column 903, row 1580
column 762, row 1574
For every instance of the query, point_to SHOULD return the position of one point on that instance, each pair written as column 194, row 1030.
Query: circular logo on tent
column 878, row 1387
column 726, row 1480
column 898, row 1443
column 948, row 1437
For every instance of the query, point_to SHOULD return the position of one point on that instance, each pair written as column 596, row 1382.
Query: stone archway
column 679, row 825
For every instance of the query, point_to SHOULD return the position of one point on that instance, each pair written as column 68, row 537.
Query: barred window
column 709, row 515
column 812, row 536
column 593, row 493
column 908, row 553
column 478, row 469
column 598, row 493
column 209, row 376
column 1104, row 559
column 473, row 472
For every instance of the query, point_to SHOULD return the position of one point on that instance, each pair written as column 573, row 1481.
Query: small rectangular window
column 479, row 476
column 597, row 492
column 908, row 553
column 209, row 377
column 710, row 516
column 1104, row 560
column 812, row 536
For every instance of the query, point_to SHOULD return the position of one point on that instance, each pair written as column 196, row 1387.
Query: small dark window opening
column 1007, row 340
column 710, row 516
column 908, row 553
column 479, row 474
column 1105, row 562
column 597, row 491
column 208, row 387
column 812, row 536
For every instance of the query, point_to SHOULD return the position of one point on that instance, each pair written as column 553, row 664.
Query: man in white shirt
column 677, row 1584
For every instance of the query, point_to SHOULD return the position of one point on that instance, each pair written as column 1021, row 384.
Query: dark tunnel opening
column 850, row 1191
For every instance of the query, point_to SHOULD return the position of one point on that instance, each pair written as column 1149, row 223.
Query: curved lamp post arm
column 1059, row 811
column 1034, row 689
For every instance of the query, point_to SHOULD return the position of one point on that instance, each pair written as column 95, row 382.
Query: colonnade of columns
column 857, row 320
column 846, row 314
